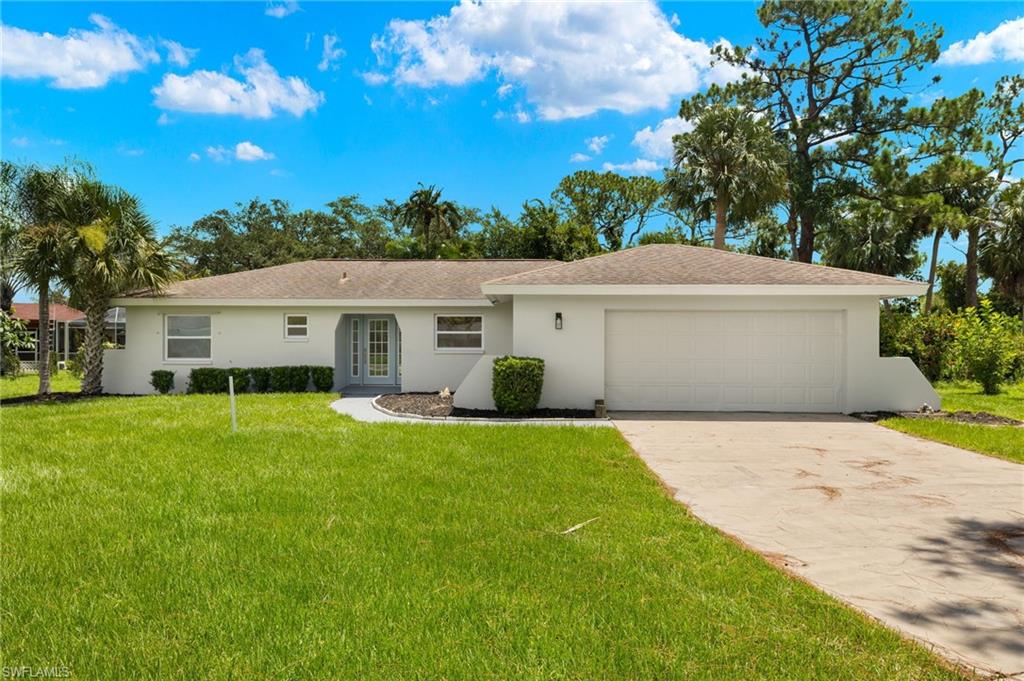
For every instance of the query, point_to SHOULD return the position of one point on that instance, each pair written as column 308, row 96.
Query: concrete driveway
column 925, row 537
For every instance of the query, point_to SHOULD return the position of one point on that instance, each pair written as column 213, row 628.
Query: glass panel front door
column 372, row 350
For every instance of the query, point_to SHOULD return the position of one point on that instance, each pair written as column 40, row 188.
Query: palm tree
column 430, row 219
column 40, row 243
column 729, row 167
column 111, row 247
column 1002, row 246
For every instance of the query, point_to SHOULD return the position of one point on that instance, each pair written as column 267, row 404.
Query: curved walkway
column 362, row 409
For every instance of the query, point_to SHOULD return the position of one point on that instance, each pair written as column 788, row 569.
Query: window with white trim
column 187, row 337
column 296, row 327
column 458, row 333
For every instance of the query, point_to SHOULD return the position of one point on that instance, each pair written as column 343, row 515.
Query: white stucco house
column 661, row 327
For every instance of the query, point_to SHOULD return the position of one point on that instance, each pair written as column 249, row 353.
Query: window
column 187, row 336
column 296, row 327
column 459, row 333
column 354, row 339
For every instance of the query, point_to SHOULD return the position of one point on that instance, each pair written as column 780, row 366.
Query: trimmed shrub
column 259, row 379
column 293, row 379
column 208, row 380
column 241, row 377
column 162, row 380
column 516, row 383
column 323, row 378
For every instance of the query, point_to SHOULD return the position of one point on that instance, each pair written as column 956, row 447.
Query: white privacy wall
column 575, row 355
column 254, row 336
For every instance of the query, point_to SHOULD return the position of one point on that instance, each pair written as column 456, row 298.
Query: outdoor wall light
column 558, row 321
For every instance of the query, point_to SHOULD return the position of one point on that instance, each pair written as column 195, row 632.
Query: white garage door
column 724, row 361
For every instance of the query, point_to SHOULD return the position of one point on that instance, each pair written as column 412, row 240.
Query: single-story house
column 660, row 327
column 67, row 327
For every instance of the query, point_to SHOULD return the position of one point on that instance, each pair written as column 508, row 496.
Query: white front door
column 724, row 361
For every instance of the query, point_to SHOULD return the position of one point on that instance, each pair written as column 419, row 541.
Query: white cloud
column 1004, row 43
column 163, row 119
column 521, row 116
column 247, row 151
column 20, row 141
column 262, row 94
column 578, row 158
column 279, row 10
column 309, row 40
column 571, row 59
column 193, row 156
column 366, row 98
column 84, row 58
column 640, row 166
column 657, row 142
column 331, row 54
column 178, row 54
column 597, row 144
column 219, row 154
column 374, row 78
column 504, row 90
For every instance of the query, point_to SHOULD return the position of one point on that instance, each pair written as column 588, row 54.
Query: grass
column 1005, row 442
column 28, row 384
column 143, row 539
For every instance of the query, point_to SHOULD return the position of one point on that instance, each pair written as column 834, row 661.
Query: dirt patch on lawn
column 53, row 397
column 982, row 418
column 436, row 404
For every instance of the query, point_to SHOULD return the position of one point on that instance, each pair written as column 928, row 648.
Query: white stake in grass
column 231, row 393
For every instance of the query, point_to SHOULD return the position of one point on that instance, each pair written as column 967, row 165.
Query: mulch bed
column 53, row 397
column 973, row 417
column 433, row 404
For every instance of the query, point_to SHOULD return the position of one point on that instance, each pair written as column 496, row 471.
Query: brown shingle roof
column 355, row 280
column 675, row 264
column 60, row 312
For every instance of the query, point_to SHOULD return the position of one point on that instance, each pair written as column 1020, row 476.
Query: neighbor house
column 661, row 327
column 67, row 327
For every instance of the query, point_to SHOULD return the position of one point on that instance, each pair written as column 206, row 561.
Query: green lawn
column 143, row 539
column 1006, row 442
column 28, row 384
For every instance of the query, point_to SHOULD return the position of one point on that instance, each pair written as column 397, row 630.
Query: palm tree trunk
column 43, row 338
column 721, row 204
column 932, row 268
column 971, row 273
column 91, row 351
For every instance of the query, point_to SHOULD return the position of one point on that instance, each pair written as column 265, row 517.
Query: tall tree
column 870, row 238
column 825, row 73
column 1002, row 246
column 729, row 168
column 433, row 222
column 42, row 255
column 111, row 247
column 608, row 203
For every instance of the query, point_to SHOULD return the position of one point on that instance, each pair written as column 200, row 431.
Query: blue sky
column 195, row 106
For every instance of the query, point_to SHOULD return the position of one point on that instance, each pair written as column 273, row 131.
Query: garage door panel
column 717, row 360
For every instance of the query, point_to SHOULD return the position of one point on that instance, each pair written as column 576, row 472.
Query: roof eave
column 897, row 289
column 177, row 301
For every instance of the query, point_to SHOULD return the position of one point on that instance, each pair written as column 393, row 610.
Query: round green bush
column 516, row 384
column 162, row 381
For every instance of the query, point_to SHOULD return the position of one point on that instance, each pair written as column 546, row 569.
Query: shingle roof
column 58, row 312
column 675, row 264
column 354, row 280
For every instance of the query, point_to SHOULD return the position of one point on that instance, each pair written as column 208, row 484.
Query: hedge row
column 286, row 379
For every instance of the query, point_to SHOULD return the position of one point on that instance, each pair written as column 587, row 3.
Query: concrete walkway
column 927, row 538
column 362, row 409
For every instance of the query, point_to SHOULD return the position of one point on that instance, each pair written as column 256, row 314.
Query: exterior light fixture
column 558, row 321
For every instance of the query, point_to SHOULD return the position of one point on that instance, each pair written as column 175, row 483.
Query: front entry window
column 378, row 349
column 354, row 336
column 188, row 337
